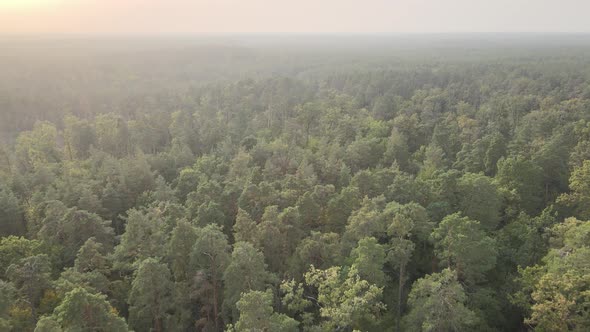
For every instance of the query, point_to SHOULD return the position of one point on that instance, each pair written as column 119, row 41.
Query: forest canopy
column 328, row 184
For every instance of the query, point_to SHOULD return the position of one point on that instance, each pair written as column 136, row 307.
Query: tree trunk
column 158, row 325
column 215, row 309
column 400, row 297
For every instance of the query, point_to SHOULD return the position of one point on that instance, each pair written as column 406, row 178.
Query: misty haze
column 313, row 166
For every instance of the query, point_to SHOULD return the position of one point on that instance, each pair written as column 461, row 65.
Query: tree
column 480, row 199
column 524, row 178
column 340, row 208
column 559, row 302
column 37, row 148
column 364, row 153
column 112, row 134
column 522, row 242
column 13, row 249
column 396, row 149
column 368, row 258
column 437, row 303
column 461, row 244
column 83, row 311
column 319, row 249
column 555, row 294
column 188, row 181
column 346, row 301
column 410, row 221
column 47, row 324
column 309, row 209
column 180, row 247
column 91, row 257
column 150, row 299
column 278, row 235
column 210, row 213
column 79, row 136
column 307, row 116
column 244, row 228
column 364, row 222
column 31, row 277
column 7, row 298
column 245, row 272
column 256, row 314
column 69, row 228
column 579, row 197
column 11, row 216
column 91, row 271
column 209, row 259
column 496, row 149
column 144, row 237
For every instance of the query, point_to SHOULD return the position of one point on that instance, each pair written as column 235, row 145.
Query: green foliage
column 31, row 277
column 524, row 178
column 256, row 314
column 245, row 272
column 47, row 324
column 437, row 303
column 83, row 311
column 11, row 215
column 579, row 197
column 175, row 191
column 368, row 220
column 7, row 297
column 150, row 299
column 209, row 259
column 144, row 237
column 555, row 294
column 480, row 199
column 13, row 249
column 461, row 244
column 68, row 229
column 37, row 148
column 91, row 257
column 318, row 249
column 180, row 248
column 346, row 300
column 244, row 228
column 368, row 258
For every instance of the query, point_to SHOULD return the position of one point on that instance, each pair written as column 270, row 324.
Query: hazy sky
column 296, row 16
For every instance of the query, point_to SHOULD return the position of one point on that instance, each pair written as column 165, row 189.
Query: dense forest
column 268, row 184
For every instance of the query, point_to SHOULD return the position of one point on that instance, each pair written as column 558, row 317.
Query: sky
column 162, row 17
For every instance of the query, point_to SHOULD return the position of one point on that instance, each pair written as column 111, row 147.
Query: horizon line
column 295, row 33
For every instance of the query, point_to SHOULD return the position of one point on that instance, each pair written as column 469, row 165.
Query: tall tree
column 83, row 311
column 31, row 277
column 150, row 299
column 480, row 199
column 69, row 229
column 209, row 259
column 7, row 299
column 437, row 303
column 13, row 249
column 579, row 197
column 368, row 258
column 11, row 214
column 410, row 221
column 346, row 301
column 554, row 294
column 179, row 250
column 246, row 271
column 144, row 237
column 461, row 244
column 525, row 179
column 257, row 314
